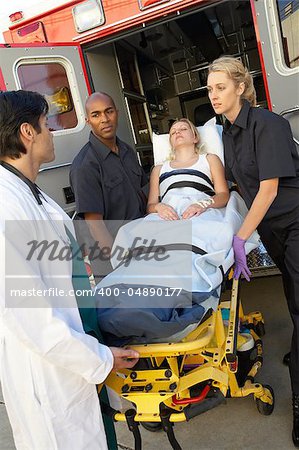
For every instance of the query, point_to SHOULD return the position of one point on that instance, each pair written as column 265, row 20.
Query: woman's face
column 224, row 95
column 181, row 134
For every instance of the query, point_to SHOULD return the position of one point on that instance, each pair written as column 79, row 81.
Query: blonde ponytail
column 238, row 73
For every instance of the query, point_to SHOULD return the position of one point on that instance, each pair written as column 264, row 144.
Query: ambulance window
column 50, row 80
column 289, row 17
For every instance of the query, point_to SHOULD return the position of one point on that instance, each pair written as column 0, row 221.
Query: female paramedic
column 261, row 157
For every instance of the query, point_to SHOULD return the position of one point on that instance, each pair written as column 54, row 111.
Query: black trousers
column 280, row 237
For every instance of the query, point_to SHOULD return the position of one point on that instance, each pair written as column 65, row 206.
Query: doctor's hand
column 166, row 212
column 193, row 210
column 124, row 358
column 240, row 259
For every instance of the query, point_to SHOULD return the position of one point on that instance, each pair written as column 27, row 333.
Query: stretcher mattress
column 197, row 255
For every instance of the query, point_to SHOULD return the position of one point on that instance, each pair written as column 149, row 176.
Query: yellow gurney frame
column 165, row 392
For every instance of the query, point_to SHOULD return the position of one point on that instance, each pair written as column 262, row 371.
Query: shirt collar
column 102, row 150
column 242, row 118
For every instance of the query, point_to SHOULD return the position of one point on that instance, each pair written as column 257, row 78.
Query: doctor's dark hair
column 16, row 108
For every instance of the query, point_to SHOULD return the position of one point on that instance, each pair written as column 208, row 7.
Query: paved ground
column 237, row 425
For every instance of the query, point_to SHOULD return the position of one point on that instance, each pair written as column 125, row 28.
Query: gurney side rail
column 204, row 334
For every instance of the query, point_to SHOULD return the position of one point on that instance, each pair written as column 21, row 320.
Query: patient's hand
column 166, row 212
column 124, row 358
column 192, row 211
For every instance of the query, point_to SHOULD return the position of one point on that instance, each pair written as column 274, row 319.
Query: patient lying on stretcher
column 190, row 182
column 176, row 256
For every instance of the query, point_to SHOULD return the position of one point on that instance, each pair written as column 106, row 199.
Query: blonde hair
column 238, row 73
column 197, row 146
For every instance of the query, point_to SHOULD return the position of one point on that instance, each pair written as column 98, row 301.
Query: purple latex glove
column 240, row 259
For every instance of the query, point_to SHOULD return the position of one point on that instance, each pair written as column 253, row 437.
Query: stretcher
column 219, row 358
column 174, row 382
column 136, row 301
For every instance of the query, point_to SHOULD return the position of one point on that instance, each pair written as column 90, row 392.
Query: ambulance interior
column 158, row 73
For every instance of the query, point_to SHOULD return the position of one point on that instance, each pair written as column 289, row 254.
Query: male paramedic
column 49, row 367
column 106, row 177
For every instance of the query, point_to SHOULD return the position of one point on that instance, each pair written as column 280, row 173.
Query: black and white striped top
column 191, row 180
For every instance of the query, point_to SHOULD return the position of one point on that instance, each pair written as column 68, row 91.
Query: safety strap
column 198, row 186
column 142, row 250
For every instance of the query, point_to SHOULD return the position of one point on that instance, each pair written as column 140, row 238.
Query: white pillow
column 210, row 136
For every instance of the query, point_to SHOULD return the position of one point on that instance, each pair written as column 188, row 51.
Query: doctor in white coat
column 48, row 365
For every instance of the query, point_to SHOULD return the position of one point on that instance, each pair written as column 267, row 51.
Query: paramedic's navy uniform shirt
column 107, row 183
column 259, row 146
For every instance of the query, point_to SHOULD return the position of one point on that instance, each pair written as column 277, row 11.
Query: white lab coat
column 48, row 365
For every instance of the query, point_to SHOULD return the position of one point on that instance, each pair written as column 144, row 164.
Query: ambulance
column 151, row 56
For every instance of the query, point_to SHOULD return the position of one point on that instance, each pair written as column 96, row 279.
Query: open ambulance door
column 58, row 72
column 276, row 23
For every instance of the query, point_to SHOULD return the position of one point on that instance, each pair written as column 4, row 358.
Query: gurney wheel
column 263, row 407
column 152, row 426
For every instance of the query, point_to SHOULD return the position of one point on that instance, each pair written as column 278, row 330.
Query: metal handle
column 57, row 166
column 289, row 111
